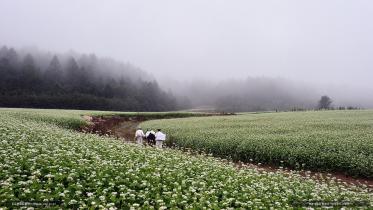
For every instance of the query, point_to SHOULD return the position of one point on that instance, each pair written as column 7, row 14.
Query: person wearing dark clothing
column 151, row 138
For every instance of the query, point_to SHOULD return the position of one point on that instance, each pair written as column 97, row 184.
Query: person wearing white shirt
column 139, row 135
column 147, row 133
column 159, row 138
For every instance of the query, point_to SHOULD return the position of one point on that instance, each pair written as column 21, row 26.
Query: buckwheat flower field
column 339, row 141
column 43, row 159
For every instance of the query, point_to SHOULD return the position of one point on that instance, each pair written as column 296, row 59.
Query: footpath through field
column 124, row 127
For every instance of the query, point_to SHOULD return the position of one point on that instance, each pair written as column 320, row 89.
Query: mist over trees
column 38, row 79
column 250, row 94
column 265, row 94
column 30, row 78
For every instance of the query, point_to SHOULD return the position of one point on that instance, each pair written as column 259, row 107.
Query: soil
column 120, row 127
column 124, row 129
column 322, row 176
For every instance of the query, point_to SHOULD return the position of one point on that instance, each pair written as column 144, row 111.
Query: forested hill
column 43, row 80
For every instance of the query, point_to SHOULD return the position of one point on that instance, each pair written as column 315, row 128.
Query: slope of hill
column 73, row 81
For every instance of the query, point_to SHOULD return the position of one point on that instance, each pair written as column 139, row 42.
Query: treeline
column 44, row 80
column 253, row 94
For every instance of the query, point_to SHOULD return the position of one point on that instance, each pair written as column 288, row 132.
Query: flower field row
column 329, row 141
column 72, row 118
column 43, row 161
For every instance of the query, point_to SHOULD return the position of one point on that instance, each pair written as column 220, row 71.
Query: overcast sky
column 329, row 41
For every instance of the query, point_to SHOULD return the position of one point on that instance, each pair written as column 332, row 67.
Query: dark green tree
column 53, row 74
column 30, row 77
column 325, row 102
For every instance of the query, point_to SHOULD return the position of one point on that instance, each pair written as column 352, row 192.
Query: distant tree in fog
column 30, row 74
column 53, row 74
column 325, row 102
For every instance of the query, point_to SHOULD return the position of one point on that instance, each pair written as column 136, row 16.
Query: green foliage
column 79, row 83
column 41, row 160
column 331, row 140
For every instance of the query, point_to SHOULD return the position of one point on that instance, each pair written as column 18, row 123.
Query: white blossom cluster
column 339, row 141
column 42, row 161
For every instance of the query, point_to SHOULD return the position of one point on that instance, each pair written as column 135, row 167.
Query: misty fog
column 266, row 93
column 237, row 56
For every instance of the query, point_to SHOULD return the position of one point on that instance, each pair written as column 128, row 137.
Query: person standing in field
column 159, row 138
column 147, row 135
column 139, row 135
column 151, row 138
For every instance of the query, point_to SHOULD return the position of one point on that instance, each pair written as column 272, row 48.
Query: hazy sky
column 329, row 41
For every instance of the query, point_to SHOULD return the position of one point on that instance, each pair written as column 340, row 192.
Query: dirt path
column 322, row 176
column 124, row 128
column 120, row 127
